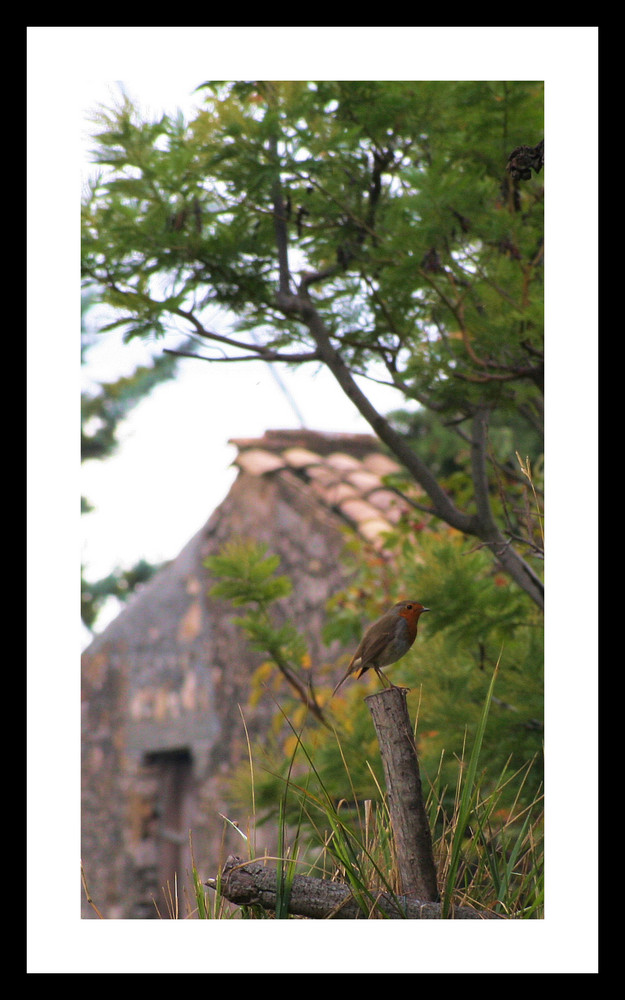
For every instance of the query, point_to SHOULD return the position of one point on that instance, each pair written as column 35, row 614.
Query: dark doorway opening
column 173, row 774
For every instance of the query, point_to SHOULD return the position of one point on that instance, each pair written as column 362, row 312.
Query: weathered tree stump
column 409, row 822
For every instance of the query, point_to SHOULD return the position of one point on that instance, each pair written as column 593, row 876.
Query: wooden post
column 253, row 883
column 411, row 831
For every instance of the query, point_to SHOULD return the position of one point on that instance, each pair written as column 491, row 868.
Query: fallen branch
column 254, row 884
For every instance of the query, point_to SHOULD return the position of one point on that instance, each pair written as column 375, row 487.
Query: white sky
column 173, row 467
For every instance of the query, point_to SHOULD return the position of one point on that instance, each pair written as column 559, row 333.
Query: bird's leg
column 388, row 682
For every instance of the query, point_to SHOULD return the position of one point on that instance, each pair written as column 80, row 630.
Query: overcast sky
column 173, row 467
column 175, row 464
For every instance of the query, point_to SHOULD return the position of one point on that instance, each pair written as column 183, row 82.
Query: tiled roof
column 345, row 472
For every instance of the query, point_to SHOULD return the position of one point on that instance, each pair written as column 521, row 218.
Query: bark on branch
column 522, row 158
column 488, row 533
column 254, row 884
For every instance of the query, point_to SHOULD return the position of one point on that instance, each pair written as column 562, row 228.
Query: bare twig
column 87, row 893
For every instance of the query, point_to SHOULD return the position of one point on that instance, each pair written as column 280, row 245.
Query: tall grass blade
column 467, row 800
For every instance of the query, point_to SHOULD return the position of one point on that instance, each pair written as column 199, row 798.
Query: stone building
column 162, row 684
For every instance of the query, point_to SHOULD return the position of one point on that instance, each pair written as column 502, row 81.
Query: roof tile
column 348, row 479
column 257, row 461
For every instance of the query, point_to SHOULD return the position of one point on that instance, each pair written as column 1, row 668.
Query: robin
column 386, row 641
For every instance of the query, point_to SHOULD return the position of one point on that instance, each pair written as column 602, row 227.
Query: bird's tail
column 343, row 678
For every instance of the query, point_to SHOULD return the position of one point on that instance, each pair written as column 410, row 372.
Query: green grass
column 488, row 855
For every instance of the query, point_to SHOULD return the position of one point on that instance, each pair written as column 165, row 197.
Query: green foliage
column 425, row 254
column 478, row 620
column 488, row 846
column 476, row 678
column 247, row 577
column 467, row 800
column 346, row 837
column 447, row 454
column 383, row 176
column 428, row 270
column 120, row 584
column 246, row 574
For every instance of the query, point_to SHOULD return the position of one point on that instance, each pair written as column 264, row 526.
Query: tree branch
column 279, row 223
column 304, row 691
column 443, row 505
column 262, row 354
column 252, row 883
column 487, row 529
column 522, row 158
column 479, row 473
column 480, row 525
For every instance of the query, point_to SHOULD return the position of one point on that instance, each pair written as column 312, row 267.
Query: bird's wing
column 368, row 650
column 372, row 646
